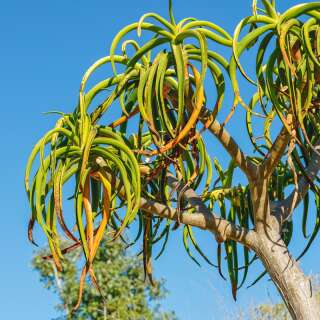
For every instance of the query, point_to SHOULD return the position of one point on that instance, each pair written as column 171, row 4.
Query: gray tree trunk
column 294, row 287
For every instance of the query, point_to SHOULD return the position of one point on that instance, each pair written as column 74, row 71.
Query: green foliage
column 161, row 94
column 120, row 276
column 276, row 311
column 266, row 312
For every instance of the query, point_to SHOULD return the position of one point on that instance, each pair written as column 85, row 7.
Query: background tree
column 139, row 140
column 275, row 311
column 125, row 295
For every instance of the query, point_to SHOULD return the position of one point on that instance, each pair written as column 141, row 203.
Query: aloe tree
column 152, row 165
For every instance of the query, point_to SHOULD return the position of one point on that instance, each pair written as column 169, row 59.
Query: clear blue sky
column 45, row 48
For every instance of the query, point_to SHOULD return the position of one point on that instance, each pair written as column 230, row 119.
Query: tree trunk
column 294, row 287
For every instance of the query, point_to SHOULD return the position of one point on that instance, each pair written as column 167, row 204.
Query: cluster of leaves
column 162, row 95
column 121, row 281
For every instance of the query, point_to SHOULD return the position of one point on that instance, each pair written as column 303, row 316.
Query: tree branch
column 221, row 228
column 285, row 208
column 276, row 152
column 231, row 146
